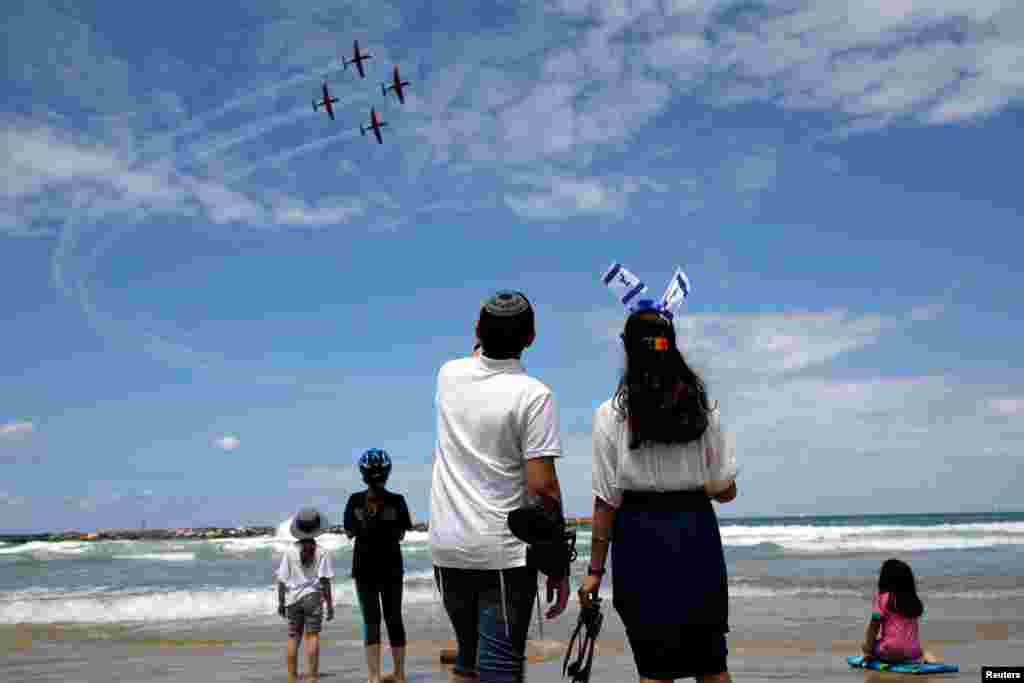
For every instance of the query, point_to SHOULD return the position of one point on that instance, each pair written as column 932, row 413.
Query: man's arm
column 542, row 483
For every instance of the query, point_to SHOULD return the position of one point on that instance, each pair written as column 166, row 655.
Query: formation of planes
column 396, row 85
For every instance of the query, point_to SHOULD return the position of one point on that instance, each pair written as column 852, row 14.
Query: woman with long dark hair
column 660, row 458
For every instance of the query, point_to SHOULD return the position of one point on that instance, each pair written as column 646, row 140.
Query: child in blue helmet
column 377, row 519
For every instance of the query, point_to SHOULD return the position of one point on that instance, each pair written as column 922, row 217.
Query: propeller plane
column 357, row 58
column 375, row 126
column 396, row 85
column 326, row 103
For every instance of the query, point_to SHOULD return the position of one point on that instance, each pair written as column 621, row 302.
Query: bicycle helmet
column 375, row 466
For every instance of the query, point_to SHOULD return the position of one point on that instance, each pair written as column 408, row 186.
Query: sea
column 954, row 555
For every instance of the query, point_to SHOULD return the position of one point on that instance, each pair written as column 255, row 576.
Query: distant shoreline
column 251, row 531
column 186, row 533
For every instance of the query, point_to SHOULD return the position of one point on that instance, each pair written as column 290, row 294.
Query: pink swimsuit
column 898, row 639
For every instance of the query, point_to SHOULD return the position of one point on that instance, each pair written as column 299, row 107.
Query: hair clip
column 627, row 288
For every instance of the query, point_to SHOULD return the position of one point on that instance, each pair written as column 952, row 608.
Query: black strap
column 590, row 622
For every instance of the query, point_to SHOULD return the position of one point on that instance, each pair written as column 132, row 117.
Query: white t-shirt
column 491, row 418
column 711, row 459
column 299, row 580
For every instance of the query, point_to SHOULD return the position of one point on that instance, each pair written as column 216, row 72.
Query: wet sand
column 772, row 639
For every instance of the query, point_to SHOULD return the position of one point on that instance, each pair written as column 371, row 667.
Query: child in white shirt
column 303, row 586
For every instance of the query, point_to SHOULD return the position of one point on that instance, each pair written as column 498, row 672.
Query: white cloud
column 298, row 213
column 906, row 440
column 16, row 430
column 228, row 443
column 223, row 205
column 757, row 344
column 1006, row 407
column 936, row 61
column 560, row 197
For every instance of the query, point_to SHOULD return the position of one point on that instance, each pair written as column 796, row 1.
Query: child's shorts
column 307, row 614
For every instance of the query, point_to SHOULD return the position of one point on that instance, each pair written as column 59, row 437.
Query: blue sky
column 215, row 298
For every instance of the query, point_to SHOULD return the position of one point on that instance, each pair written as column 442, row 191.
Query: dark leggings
column 374, row 594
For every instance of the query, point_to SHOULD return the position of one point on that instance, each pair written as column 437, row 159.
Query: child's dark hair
column 662, row 398
column 897, row 580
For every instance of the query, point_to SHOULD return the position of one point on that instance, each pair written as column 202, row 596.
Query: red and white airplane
column 326, row 103
column 357, row 58
column 375, row 126
column 396, row 85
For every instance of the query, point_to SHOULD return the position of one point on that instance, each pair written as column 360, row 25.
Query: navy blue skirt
column 670, row 583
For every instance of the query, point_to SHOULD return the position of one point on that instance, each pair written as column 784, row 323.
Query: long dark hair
column 661, row 397
column 897, row 580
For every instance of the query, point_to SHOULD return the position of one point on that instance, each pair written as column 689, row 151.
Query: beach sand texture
column 772, row 639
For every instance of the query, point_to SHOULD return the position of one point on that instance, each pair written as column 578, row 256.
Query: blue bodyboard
column 862, row 662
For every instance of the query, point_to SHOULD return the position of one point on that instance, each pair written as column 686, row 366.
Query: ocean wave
column 160, row 557
column 43, row 549
column 94, row 606
column 740, row 541
column 810, row 539
column 106, row 605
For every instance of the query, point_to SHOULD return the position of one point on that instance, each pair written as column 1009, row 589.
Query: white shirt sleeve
column 326, row 568
column 541, row 438
column 719, row 454
column 283, row 569
column 606, row 462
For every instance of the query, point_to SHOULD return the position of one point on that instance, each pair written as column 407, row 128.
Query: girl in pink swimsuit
column 892, row 634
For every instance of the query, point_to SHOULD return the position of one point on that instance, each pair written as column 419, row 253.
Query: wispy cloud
column 228, row 442
column 876, row 62
column 559, row 197
column 288, row 155
column 77, row 187
column 758, row 344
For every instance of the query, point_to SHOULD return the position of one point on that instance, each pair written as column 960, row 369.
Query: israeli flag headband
column 628, row 289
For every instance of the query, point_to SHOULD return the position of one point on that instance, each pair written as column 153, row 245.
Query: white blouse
column 708, row 461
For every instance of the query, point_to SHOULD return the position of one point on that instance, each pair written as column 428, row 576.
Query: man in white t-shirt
column 497, row 438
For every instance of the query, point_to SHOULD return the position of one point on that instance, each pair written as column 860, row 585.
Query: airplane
column 396, row 85
column 326, row 103
column 375, row 126
column 357, row 58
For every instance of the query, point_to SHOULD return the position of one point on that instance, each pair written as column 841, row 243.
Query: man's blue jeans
column 492, row 640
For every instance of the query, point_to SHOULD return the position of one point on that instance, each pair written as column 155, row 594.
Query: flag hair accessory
column 628, row 288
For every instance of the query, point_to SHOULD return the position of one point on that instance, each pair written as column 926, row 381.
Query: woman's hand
column 589, row 590
column 866, row 649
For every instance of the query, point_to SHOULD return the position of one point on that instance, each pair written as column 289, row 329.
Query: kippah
column 506, row 303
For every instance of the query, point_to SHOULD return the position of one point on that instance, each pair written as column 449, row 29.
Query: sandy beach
column 772, row 639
